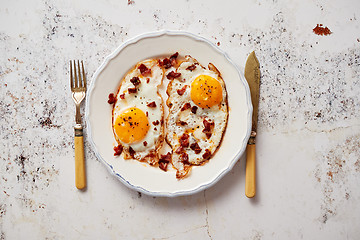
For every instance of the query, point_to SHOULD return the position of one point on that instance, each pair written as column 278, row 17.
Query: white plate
column 151, row 180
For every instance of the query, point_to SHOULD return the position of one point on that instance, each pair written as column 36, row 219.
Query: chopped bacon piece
column 118, row 150
column 207, row 154
column 186, row 106
column 122, row 96
column 132, row 90
column 112, row 98
column 179, row 150
column 147, row 80
column 163, row 165
column 165, row 63
column 185, row 158
column 164, row 161
column 208, row 127
column 184, row 140
column 194, row 109
column 171, row 75
column 195, row 146
column 152, row 104
column 182, row 90
column 156, row 122
column 191, row 67
column 135, row 80
column 145, row 143
column 182, row 123
column 166, row 157
column 173, row 58
column 131, row 152
column 144, row 70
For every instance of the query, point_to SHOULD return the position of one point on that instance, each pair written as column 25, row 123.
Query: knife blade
column 252, row 76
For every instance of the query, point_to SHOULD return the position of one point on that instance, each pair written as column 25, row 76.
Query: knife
column 252, row 75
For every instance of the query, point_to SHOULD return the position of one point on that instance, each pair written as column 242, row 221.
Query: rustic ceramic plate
column 151, row 180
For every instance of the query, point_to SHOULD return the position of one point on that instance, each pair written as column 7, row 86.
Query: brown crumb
column 320, row 30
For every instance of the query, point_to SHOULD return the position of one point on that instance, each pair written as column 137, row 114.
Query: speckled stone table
column 308, row 150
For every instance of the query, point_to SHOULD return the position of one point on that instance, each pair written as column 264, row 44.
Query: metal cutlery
column 78, row 89
column 252, row 75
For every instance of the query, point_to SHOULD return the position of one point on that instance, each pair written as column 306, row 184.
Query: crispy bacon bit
column 135, row 80
column 144, row 70
column 194, row 109
column 112, row 98
column 208, row 127
column 147, row 114
column 207, row 154
column 131, row 152
column 186, row 106
column 147, row 80
column 165, row 63
column 118, row 150
column 182, row 123
column 171, row 75
column 168, row 62
column 145, row 143
column 195, row 146
column 152, row 104
column 182, row 90
column 184, row 140
column 164, row 161
column 191, row 67
column 173, row 58
column 122, row 96
column 155, row 129
column 132, row 90
column 166, row 157
column 185, row 158
column 156, row 122
column 179, row 150
column 163, row 165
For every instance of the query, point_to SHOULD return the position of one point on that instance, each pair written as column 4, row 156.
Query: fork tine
column 83, row 74
column 71, row 77
column 79, row 75
column 76, row 79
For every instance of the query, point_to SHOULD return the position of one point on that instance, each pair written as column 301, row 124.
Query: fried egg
column 137, row 116
column 198, row 113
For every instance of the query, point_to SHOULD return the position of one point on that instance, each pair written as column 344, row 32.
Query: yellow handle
column 250, row 184
column 80, row 177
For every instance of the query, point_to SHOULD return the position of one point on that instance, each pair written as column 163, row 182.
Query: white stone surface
column 308, row 151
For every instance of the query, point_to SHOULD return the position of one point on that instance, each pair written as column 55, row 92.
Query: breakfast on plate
column 137, row 116
column 197, row 113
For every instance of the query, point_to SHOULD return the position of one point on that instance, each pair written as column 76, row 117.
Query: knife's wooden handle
column 80, row 177
column 250, row 184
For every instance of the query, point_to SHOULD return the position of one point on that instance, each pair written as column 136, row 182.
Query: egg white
column 147, row 92
column 217, row 113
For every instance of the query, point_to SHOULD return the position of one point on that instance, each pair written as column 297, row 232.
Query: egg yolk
column 206, row 91
column 131, row 125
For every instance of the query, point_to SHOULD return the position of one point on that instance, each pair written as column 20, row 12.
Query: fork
column 78, row 89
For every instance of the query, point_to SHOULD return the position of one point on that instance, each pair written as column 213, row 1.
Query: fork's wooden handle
column 80, row 177
column 250, row 184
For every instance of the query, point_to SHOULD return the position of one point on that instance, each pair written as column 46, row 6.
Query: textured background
column 308, row 150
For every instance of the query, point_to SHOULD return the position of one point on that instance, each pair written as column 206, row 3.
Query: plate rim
column 117, row 51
